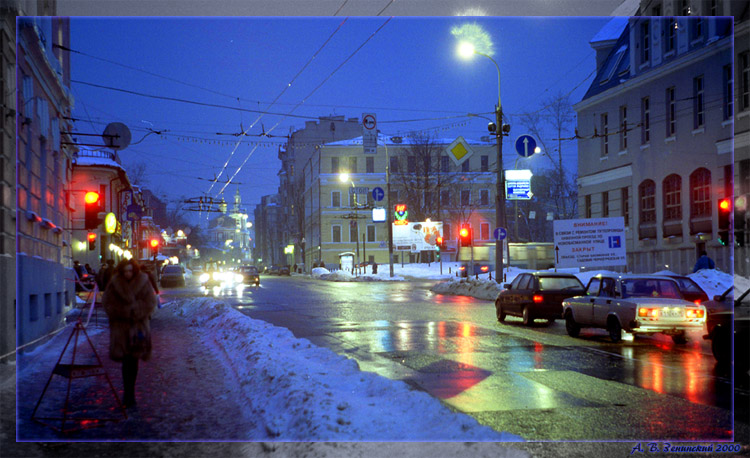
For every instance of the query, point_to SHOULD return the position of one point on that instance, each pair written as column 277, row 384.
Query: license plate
column 672, row 313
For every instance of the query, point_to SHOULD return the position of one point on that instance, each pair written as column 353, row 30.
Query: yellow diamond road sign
column 459, row 151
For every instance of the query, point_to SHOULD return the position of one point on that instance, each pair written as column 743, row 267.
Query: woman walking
column 129, row 301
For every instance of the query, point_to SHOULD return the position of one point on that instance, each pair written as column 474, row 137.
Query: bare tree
column 137, row 174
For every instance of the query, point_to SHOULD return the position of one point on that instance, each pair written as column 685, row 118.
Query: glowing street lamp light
column 343, row 177
column 466, row 49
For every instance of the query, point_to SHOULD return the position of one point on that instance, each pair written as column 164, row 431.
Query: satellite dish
column 116, row 136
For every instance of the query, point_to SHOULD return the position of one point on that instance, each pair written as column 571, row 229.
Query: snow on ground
column 341, row 275
column 304, row 392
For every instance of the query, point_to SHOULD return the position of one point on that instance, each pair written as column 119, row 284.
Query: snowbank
column 341, row 275
column 714, row 282
column 481, row 289
column 303, row 392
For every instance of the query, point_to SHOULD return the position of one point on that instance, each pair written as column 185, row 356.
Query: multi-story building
column 423, row 176
column 269, row 248
column 741, row 107
column 44, row 155
column 655, row 134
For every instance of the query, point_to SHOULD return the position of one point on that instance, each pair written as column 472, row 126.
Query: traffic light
column 154, row 244
column 93, row 207
column 725, row 209
column 465, row 235
column 92, row 240
column 438, row 247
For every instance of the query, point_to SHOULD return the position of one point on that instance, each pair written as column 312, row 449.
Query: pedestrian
column 79, row 275
column 294, row 268
column 89, row 269
column 704, row 262
column 129, row 301
column 100, row 276
column 374, row 267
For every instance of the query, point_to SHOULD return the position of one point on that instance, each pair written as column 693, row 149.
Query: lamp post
column 467, row 50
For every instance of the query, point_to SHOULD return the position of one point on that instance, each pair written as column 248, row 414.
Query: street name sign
column 591, row 242
column 369, row 133
column 359, row 190
column 525, row 145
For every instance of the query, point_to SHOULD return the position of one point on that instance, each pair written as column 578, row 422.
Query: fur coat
column 129, row 306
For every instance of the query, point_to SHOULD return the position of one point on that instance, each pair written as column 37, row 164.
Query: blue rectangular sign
column 518, row 189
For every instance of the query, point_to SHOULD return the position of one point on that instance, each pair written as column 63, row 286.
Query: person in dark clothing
column 79, row 272
column 294, row 268
column 704, row 262
column 374, row 267
column 89, row 269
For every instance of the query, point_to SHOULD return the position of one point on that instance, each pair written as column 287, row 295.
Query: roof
column 616, row 67
column 405, row 141
column 612, row 30
column 97, row 162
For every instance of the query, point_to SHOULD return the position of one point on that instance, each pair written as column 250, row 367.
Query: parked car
column 646, row 304
column 172, row 275
column 537, row 295
column 690, row 290
column 724, row 314
column 274, row 270
column 284, row 270
column 249, row 274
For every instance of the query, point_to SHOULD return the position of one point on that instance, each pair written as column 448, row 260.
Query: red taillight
column 462, row 268
column 693, row 313
column 642, row 312
column 538, row 298
column 485, row 268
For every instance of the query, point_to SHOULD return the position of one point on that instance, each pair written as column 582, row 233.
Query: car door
column 585, row 312
column 521, row 294
column 605, row 301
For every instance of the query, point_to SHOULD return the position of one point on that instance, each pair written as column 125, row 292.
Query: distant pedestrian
column 129, row 301
column 294, row 268
column 105, row 274
column 374, row 267
column 704, row 262
column 79, row 275
column 89, row 269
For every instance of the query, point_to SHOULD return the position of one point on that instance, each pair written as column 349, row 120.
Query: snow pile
column 481, row 289
column 342, row 275
column 318, row 271
column 303, row 392
column 714, row 282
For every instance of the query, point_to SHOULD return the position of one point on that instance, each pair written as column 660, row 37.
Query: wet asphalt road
column 536, row 382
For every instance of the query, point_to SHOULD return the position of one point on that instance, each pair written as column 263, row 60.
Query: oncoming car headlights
column 204, row 278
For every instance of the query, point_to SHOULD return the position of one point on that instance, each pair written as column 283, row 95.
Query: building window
column 647, row 201
column 336, row 233
column 335, row 199
column 465, row 166
column 684, row 8
column 411, row 164
column 352, row 165
column 369, row 165
column 696, row 29
column 334, row 165
column 484, row 197
column 698, row 102
column 623, row 128
column 445, row 198
column 671, row 27
column 587, row 205
column 485, row 164
column 605, row 134
column 427, row 161
column 28, row 96
column 728, row 93
column 353, row 232
column 670, row 111
column 605, row 204
column 672, row 186
column 625, row 203
column 444, row 163
column 370, row 233
column 745, row 80
column 484, row 231
column 645, row 41
column 700, row 193
column 394, row 165
column 645, row 121
column 744, row 176
column 465, row 197
column 33, row 307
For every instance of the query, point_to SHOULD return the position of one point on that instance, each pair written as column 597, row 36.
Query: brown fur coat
column 129, row 306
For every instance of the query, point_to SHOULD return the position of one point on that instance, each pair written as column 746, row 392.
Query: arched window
column 700, row 193
column 672, row 186
column 647, row 201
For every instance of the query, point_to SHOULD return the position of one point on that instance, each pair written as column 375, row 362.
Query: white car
column 645, row 304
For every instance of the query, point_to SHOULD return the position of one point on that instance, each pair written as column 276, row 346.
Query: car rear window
column 248, row 270
column 688, row 285
column 650, row 287
column 172, row 270
column 559, row 283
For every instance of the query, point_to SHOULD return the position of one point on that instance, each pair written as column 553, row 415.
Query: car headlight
column 217, row 276
column 238, row 278
column 204, row 278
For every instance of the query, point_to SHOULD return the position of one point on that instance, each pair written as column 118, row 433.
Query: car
column 725, row 314
column 646, row 304
column 249, row 274
column 537, row 295
column 690, row 290
column 274, row 270
column 172, row 275
column 284, row 270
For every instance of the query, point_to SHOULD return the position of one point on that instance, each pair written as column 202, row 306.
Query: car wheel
column 571, row 326
column 680, row 339
column 615, row 330
column 500, row 312
column 527, row 318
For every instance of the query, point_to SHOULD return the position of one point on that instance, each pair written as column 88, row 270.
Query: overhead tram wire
column 237, row 144
column 308, row 96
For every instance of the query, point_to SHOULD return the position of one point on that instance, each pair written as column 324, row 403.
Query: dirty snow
column 303, row 392
column 341, row 275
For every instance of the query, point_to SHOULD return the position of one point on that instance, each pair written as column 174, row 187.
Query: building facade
column 655, row 136
column 230, row 233
column 422, row 176
column 741, row 83
column 269, row 248
column 44, row 285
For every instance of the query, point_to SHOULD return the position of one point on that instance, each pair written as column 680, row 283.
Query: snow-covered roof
column 611, row 30
column 405, row 141
column 96, row 161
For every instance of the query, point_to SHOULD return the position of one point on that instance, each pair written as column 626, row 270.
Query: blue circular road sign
column 500, row 233
column 525, row 145
column 378, row 194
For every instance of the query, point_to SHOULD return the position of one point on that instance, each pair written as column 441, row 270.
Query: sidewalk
column 180, row 392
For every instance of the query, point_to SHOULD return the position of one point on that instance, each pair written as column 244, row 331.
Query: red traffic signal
column 466, row 236
column 154, row 243
column 92, row 240
column 93, row 207
column 725, row 205
column 91, row 197
column 464, row 232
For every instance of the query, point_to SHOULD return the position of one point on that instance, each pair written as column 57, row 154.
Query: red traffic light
column 154, row 243
column 724, row 204
column 439, row 240
column 463, row 232
column 91, row 236
column 91, row 197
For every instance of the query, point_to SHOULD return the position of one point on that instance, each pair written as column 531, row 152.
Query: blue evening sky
column 409, row 70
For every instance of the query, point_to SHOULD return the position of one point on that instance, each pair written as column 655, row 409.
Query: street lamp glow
column 466, row 49
column 343, row 177
column 537, row 150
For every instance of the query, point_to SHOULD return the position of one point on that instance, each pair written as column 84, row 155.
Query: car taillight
column 697, row 302
column 648, row 312
column 462, row 268
column 538, row 298
column 695, row 313
column 485, row 268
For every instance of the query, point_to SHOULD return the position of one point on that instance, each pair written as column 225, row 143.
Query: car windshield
column 559, row 283
column 172, row 270
column 689, row 286
column 248, row 270
column 650, row 287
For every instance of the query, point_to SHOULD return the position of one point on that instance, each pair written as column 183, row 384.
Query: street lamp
column 467, row 50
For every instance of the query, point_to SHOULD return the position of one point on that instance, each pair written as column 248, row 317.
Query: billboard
column 591, row 242
column 417, row 236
